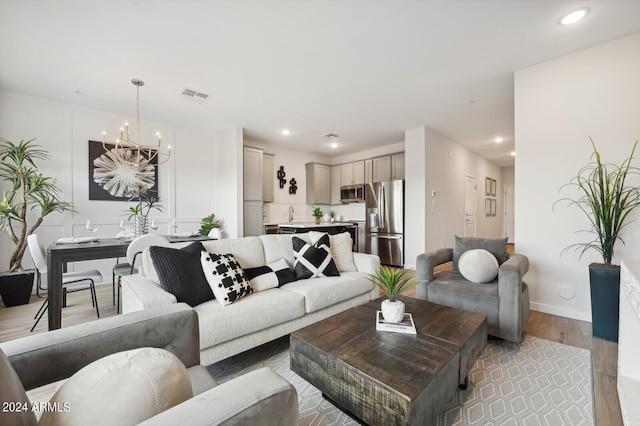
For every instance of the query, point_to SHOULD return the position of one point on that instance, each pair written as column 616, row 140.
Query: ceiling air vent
column 194, row 95
column 331, row 136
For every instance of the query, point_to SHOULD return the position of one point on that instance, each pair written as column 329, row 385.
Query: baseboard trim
column 560, row 311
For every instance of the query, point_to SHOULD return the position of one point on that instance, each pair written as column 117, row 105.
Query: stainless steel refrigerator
column 384, row 234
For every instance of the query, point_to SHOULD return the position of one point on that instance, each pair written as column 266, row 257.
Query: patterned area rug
column 537, row 382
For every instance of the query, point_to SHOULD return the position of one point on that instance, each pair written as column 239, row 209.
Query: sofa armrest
column 367, row 263
column 45, row 358
column 140, row 292
column 259, row 397
column 510, row 288
column 425, row 263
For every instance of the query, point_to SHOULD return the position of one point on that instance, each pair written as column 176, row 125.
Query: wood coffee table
column 382, row 377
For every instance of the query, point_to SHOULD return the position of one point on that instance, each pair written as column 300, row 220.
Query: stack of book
column 405, row 326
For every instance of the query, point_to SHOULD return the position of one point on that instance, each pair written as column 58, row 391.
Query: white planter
column 215, row 233
column 392, row 311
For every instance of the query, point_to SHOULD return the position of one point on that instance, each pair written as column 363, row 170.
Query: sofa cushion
column 248, row 251
column 320, row 293
column 259, row 311
column 136, row 384
column 225, row 276
column 341, row 246
column 180, row 273
column 12, row 391
column 478, row 266
column 497, row 247
column 270, row 276
column 313, row 260
column 277, row 246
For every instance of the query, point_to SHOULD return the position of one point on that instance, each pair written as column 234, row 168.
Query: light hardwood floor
column 16, row 321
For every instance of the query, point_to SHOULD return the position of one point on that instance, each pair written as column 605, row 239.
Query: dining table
column 59, row 254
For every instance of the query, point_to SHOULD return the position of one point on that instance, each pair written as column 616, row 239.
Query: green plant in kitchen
column 317, row 214
column 208, row 223
column 29, row 190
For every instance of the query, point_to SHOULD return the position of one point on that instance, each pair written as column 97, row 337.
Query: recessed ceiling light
column 286, row 132
column 498, row 139
column 334, row 145
column 575, row 16
column 513, row 153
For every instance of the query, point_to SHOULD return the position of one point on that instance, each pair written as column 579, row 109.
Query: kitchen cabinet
column 268, row 177
column 368, row 171
column 253, row 218
column 389, row 167
column 318, row 183
column 352, row 173
column 336, row 181
column 397, row 166
column 252, row 174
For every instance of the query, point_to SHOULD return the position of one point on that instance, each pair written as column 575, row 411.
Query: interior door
column 470, row 197
column 509, row 213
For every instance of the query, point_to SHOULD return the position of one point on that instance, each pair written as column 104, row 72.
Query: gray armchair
column 259, row 397
column 505, row 300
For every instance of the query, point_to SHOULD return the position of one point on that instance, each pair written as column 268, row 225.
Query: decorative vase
column 605, row 300
column 141, row 225
column 392, row 311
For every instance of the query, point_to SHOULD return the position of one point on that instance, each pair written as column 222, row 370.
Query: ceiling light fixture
column 130, row 150
column 286, row 132
column 575, row 16
column 334, row 145
column 513, row 153
column 498, row 139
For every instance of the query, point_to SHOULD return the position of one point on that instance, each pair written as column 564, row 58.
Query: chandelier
column 133, row 151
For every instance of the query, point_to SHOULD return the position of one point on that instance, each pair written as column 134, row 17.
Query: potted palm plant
column 607, row 200
column 29, row 191
column 392, row 282
column 317, row 214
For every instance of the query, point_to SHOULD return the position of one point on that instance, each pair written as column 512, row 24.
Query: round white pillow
column 478, row 266
column 125, row 388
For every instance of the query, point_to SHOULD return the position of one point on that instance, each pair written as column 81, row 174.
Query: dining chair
column 71, row 281
column 135, row 248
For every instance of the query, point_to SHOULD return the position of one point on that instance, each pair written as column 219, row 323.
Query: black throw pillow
column 180, row 273
column 313, row 260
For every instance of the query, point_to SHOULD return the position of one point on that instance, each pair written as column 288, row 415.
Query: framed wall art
column 487, row 206
column 115, row 174
column 493, row 206
column 493, row 187
column 487, row 186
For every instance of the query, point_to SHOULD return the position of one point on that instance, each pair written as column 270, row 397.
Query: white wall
column 188, row 182
column 558, row 106
column 508, row 176
column 436, row 163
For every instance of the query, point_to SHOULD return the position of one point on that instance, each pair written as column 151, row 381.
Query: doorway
column 509, row 213
column 470, row 203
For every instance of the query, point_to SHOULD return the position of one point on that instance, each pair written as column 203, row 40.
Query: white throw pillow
column 341, row 246
column 126, row 387
column 225, row 276
column 478, row 266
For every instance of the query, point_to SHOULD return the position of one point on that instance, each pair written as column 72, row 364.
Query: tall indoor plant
column 28, row 190
column 607, row 200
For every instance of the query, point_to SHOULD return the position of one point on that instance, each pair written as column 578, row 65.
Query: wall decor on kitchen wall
column 281, row 174
column 113, row 176
column 293, row 186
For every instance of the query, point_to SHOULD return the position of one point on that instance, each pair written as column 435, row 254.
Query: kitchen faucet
column 290, row 213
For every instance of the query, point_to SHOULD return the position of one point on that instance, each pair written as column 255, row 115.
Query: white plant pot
column 392, row 311
column 215, row 233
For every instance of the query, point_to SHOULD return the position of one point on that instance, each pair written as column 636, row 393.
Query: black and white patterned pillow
column 311, row 261
column 180, row 273
column 270, row 276
column 225, row 276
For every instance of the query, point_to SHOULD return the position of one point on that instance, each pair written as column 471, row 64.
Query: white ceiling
column 363, row 69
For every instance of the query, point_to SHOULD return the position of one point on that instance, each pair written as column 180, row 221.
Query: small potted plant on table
column 392, row 282
column 210, row 226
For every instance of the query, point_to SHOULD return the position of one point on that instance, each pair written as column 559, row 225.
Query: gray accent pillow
column 497, row 247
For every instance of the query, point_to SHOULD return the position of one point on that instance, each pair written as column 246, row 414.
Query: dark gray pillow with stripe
column 180, row 273
column 313, row 261
column 270, row 276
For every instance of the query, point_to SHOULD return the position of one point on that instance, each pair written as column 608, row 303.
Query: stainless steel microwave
column 352, row 193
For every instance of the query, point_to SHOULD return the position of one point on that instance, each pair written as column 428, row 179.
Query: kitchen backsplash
column 279, row 213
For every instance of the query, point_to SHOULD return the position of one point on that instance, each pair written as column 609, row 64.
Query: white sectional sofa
column 264, row 315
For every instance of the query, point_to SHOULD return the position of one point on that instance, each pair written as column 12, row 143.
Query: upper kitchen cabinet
column 368, row 171
column 268, row 177
column 352, row 173
column 252, row 173
column 389, row 167
column 336, row 181
column 318, row 183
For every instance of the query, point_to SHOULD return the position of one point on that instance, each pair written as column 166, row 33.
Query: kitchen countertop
column 313, row 224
